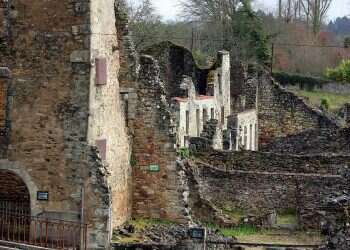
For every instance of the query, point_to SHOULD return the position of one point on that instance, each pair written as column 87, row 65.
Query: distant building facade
column 193, row 111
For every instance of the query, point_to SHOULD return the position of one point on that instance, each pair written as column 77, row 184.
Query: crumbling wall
column 156, row 186
column 344, row 113
column 128, row 57
column 312, row 141
column 258, row 192
column 335, row 226
column 271, row 162
column 281, row 113
column 255, row 181
column 176, row 62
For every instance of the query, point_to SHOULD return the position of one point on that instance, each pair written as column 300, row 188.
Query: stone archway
column 14, row 194
column 17, row 169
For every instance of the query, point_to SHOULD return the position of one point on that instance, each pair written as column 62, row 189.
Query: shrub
column 347, row 42
column 305, row 82
column 200, row 58
column 184, row 153
column 341, row 73
column 324, row 104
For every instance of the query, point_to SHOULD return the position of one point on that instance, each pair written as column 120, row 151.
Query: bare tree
column 143, row 11
column 144, row 22
column 315, row 12
column 235, row 22
column 289, row 10
column 223, row 12
column 280, row 9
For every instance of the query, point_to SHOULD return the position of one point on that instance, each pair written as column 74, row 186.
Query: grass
column 234, row 213
column 335, row 101
column 242, row 230
column 287, row 217
column 283, row 237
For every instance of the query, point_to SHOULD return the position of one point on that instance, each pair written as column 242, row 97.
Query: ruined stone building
column 193, row 110
column 59, row 103
column 90, row 132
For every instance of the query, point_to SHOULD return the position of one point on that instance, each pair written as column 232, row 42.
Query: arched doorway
column 14, row 194
column 14, row 207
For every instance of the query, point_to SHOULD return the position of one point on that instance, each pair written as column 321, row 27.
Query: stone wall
column 256, row 182
column 312, row 141
column 5, row 102
column 56, row 114
column 128, row 57
column 281, row 113
column 271, row 162
column 258, row 192
column 344, row 113
column 156, row 192
column 176, row 62
column 106, row 116
column 336, row 220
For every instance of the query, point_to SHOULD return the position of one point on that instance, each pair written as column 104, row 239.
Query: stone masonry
column 281, row 113
column 57, row 52
column 257, row 182
column 156, row 192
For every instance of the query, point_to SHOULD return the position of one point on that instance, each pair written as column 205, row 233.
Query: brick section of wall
column 155, row 194
column 281, row 113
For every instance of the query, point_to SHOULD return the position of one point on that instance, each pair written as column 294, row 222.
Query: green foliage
column 242, row 230
column 235, row 214
column 314, row 98
column 200, row 58
column 252, row 40
column 184, row 153
column 324, row 104
column 340, row 73
column 304, row 82
column 347, row 42
column 287, row 217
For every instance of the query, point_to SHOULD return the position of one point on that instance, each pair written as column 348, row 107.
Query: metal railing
column 42, row 232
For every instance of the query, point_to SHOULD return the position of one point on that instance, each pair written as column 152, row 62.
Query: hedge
column 304, row 82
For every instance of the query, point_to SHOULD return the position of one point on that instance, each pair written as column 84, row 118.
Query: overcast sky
column 170, row 8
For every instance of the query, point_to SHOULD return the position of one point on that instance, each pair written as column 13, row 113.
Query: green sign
column 154, row 168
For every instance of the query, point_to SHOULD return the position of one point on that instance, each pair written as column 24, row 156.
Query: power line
column 166, row 38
